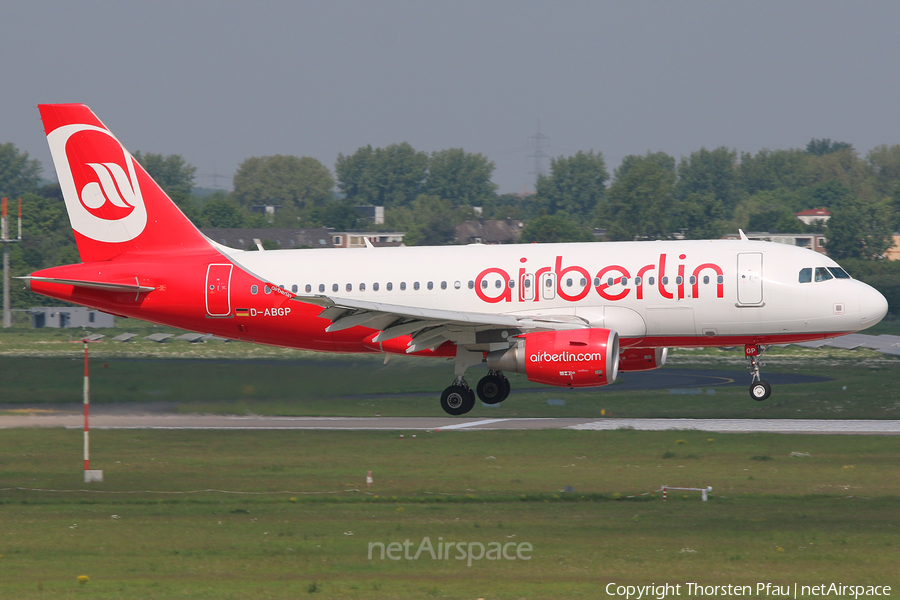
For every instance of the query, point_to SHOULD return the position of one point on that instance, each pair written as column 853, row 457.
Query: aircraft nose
column 873, row 306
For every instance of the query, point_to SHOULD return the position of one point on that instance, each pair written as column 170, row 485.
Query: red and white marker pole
column 87, row 404
column 89, row 475
column 369, row 479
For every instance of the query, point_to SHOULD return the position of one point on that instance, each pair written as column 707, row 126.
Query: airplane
column 569, row 315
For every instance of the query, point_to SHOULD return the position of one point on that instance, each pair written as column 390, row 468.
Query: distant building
column 373, row 213
column 811, row 241
column 507, row 231
column 64, row 316
column 893, row 253
column 357, row 239
column 814, row 215
column 247, row 239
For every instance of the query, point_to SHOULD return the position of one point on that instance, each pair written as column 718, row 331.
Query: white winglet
column 744, row 237
column 368, row 243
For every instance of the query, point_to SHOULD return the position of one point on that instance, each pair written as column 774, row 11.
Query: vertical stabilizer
column 114, row 207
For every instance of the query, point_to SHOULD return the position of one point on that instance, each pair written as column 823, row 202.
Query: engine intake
column 573, row 358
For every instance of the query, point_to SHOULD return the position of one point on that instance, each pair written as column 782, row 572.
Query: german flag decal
column 242, row 312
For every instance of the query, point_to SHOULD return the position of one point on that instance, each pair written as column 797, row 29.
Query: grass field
column 292, row 516
column 828, row 513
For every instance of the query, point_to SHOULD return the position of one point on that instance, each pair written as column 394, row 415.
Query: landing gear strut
column 759, row 389
column 493, row 388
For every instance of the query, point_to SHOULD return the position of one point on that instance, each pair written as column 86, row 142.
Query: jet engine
column 642, row 359
column 573, row 358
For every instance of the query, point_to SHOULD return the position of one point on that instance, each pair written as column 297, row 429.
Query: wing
column 429, row 327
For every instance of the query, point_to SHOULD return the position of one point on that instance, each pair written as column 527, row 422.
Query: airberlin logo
column 612, row 282
column 99, row 183
column 567, row 357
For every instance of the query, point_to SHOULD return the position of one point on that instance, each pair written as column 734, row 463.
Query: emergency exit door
column 750, row 282
column 218, row 290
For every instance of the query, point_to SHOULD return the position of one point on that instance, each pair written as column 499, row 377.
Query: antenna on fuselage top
column 744, row 237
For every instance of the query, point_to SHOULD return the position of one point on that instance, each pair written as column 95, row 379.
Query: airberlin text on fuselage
column 649, row 281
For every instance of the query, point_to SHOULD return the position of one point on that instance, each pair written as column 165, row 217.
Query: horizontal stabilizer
column 94, row 285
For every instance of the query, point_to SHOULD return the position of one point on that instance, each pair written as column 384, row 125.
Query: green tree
column 287, row 181
column 860, row 228
column 884, row 161
column 432, row 221
column 769, row 170
column 461, row 177
column 640, row 198
column 821, row 147
column 554, row 228
column 575, row 186
column 173, row 174
column 391, row 176
column 221, row 211
column 700, row 216
column 18, row 174
column 340, row 214
column 710, row 172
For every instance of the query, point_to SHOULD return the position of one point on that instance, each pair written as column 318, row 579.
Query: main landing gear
column 759, row 389
column 458, row 399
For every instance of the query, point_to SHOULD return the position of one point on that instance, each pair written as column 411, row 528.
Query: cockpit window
column 805, row 275
column 822, row 274
column 839, row 273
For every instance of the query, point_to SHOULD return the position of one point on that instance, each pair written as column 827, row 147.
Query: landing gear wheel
column 760, row 390
column 493, row 388
column 457, row 400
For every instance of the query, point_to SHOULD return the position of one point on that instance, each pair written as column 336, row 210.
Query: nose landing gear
column 759, row 389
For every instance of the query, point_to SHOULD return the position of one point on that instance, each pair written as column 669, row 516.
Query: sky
column 219, row 82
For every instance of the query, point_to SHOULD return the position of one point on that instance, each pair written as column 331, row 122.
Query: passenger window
column 679, row 280
column 693, row 280
column 267, row 289
column 720, row 280
column 651, row 281
column 334, row 287
column 321, row 287
column 390, row 286
column 569, row 282
column 416, row 285
column 402, row 286
column 527, row 283
column 444, row 285
column 484, row 284
column 512, row 284
column 362, row 287
column 349, row 287
column 805, row 275
column 705, row 279
column 457, row 284
column 471, row 285
column 308, row 288
column 583, row 282
column 665, row 280
column 822, row 274
column 375, row 287
column 498, row 284
column 294, row 288
column 254, row 289
column 637, row 281
column 430, row 285
column 839, row 272
column 610, row 282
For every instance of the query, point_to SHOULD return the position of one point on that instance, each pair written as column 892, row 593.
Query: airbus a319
column 569, row 315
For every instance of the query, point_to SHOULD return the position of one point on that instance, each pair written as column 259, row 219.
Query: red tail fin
column 114, row 206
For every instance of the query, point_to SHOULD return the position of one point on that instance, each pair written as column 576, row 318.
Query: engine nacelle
column 573, row 358
column 642, row 359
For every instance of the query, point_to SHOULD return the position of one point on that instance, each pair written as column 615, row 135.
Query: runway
column 438, row 424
